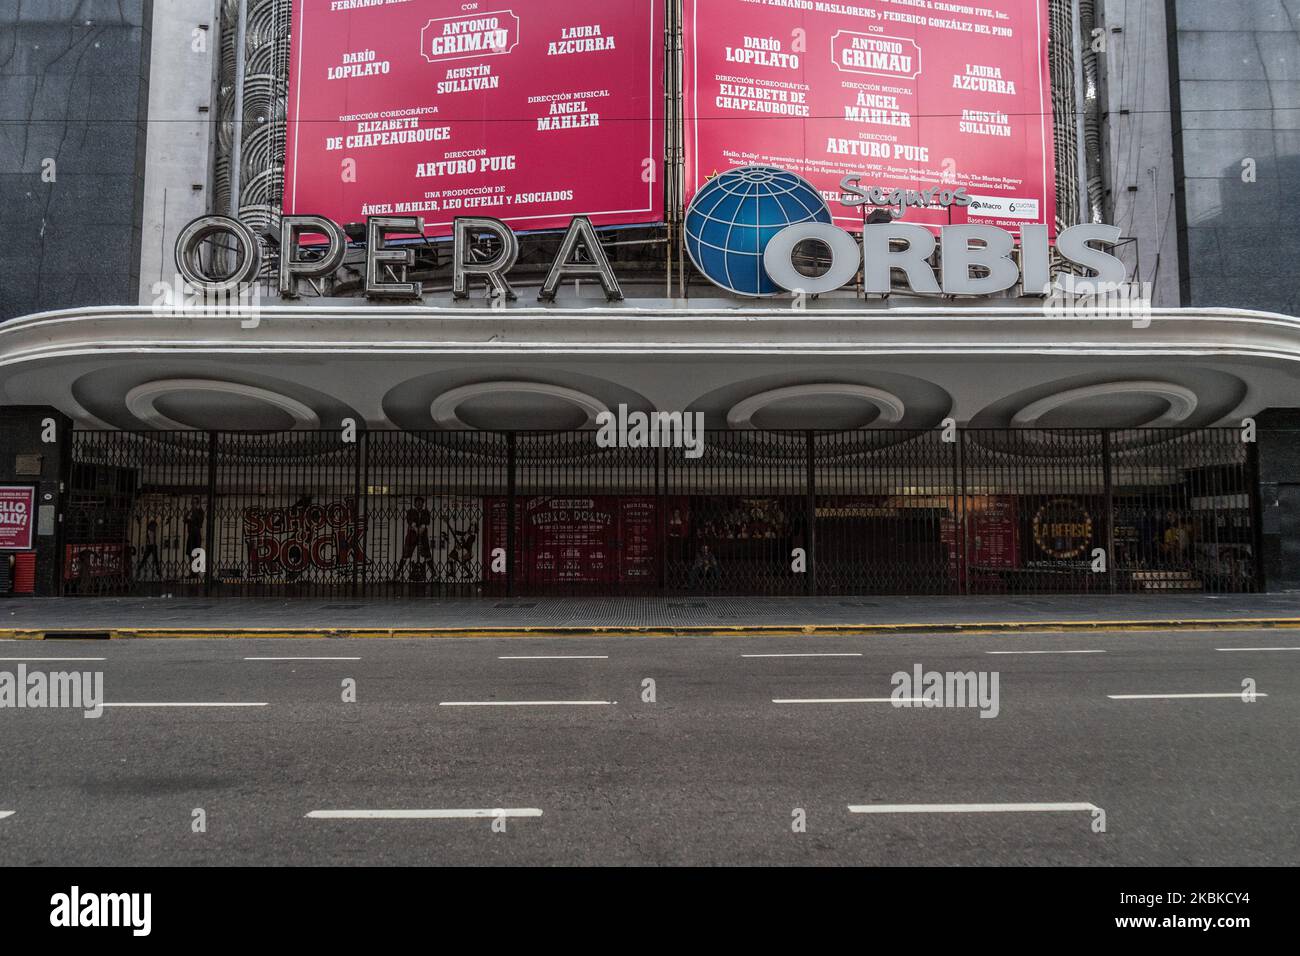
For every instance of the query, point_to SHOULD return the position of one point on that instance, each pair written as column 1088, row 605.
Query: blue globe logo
column 732, row 218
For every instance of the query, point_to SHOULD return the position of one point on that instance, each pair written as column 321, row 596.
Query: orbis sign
column 743, row 226
column 741, row 231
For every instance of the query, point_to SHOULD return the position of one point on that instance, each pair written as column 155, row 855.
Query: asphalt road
column 711, row 772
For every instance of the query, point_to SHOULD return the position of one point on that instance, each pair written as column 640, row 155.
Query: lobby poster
column 17, row 514
column 576, row 539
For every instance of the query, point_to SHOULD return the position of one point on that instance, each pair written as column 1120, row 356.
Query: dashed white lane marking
column 803, row 655
column 526, row 703
column 1046, row 652
column 302, row 658
column 6, row 813
column 1257, row 648
column 450, row 814
column 553, row 657
column 971, row 807
column 1238, row 694
column 162, row 703
column 53, row 658
column 847, row 700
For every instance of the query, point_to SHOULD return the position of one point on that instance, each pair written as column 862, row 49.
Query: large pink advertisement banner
column 908, row 94
column 529, row 111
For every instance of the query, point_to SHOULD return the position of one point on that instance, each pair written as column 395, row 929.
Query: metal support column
column 810, row 511
column 1108, row 491
column 209, row 552
column 510, row 513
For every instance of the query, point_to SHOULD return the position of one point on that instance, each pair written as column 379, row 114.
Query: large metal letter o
column 779, row 263
column 190, row 242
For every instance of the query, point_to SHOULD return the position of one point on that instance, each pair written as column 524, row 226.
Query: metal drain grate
column 343, row 607
column 514, row 607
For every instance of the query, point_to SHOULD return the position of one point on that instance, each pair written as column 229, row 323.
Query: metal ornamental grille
column 886, row 512
column 585, row 518
column 1033, row 509
column 287, row 519
column 1183, row 506
column 423, row 497
column 435, row 514
column 128, row 513
column 735, row 514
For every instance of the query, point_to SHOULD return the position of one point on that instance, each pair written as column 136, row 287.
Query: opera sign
column 382, row 258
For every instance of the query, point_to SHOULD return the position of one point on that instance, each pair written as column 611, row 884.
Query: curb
column 691, row 630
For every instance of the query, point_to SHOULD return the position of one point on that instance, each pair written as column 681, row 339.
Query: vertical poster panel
column 637, row 545
column 530, row 111
column 17, row 514
column 564, row 539
column 430, row 538
column 907, row 94
column 569, row 539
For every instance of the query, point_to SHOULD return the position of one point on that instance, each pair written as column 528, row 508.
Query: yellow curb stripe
column 688, row 630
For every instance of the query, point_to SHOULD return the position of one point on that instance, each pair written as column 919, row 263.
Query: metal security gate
column 509, row 514
column 886, row 506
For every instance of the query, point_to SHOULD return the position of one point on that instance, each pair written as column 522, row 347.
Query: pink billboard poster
column 905, row 94
column 528, row 111
column 17, row 514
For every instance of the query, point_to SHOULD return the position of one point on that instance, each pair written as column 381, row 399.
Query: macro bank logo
column 734, row 216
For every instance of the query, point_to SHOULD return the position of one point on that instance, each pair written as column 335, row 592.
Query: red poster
column 569, row 539
column 908, row 94
column 578, row 539
column 304, row 538
column 638, row 540
column 996, row 535
column 81, row 561
column 529, row 111
column 17, row 513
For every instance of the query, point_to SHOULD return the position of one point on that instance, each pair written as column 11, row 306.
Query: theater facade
column 352, row 448
column 507, row 364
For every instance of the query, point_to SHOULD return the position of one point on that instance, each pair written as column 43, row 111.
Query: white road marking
column 52, row 658
column 554, row 657
column 1238, row 694
column 970, row 807
column 1257, row 648
column 302, row 658
column 847, row 700
column 1045, row 652
column 7, row 813
column 160, row 703
column 802, row 655
column 463, row 814
column 525, row 703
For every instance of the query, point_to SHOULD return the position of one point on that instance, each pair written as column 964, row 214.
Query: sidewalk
column 37, row 618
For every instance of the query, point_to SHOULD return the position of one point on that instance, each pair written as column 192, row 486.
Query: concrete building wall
column 1137, row 143
column 73, row 92
column 1236, row 104
column 181, row 116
